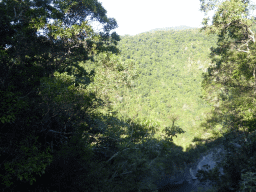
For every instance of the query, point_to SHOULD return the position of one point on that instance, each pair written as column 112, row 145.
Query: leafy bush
column 248, row 182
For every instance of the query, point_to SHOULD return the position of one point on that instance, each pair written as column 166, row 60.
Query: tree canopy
column 43, row 97
column 230, row 86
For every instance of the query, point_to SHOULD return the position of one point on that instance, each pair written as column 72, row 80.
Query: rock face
column 210, row 160
column 187, row 181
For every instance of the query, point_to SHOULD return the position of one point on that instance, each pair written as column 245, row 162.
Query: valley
column 84, row 109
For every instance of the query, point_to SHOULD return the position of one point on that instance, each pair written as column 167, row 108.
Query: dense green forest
column 85, row 110
column 169, row 66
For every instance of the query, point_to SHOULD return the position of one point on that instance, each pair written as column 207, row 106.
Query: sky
column 138, row 16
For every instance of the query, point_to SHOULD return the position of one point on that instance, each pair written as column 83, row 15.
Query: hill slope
column 181, row 27
column 170, row 64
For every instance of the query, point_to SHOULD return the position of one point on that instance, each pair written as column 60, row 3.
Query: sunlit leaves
column 208, row 5
column 230, row 84
column 82, row 31
column 227, row 13
column 234, row 67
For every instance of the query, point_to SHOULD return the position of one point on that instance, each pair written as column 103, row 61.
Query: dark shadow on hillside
column 112, row 155
column 116, row 155
column 195, row 156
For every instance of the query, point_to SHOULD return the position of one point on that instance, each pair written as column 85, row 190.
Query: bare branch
column 113, row 156
column 243, row 51
column 14, row 12
column 252, row 35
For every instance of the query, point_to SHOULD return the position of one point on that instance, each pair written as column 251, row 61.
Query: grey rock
column 236, row 145
column 188, row 180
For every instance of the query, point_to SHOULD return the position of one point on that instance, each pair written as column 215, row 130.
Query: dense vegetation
column 170, row 66
column 83, row 110
column 230, row 86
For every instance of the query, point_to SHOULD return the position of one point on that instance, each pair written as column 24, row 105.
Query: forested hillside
column 169, row 64
column 182, row 27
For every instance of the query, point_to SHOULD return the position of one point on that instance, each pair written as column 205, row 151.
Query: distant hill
column 181, row 27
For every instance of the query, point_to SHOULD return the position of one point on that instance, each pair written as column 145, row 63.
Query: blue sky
column 137, row 16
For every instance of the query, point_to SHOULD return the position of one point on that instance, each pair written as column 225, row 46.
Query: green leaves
column 233, row 56
column 169, row 64
column 31, row 162
column 226, row 14
column 7, row 119
column 43, row 87
column 248, row 182
column 170, row 132
column 230, row 84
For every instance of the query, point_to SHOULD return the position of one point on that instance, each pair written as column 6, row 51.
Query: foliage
column 172, row 131
column 31, row 161
column 229, row 85
column 248, row 182
column 169, row 65
column 230, row 80
column 43, row 88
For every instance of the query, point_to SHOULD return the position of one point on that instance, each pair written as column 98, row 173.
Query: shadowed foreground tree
column 44, row 102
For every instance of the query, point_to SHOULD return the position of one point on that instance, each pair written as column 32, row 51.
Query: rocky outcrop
column 208, row 160
column 187, row 181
